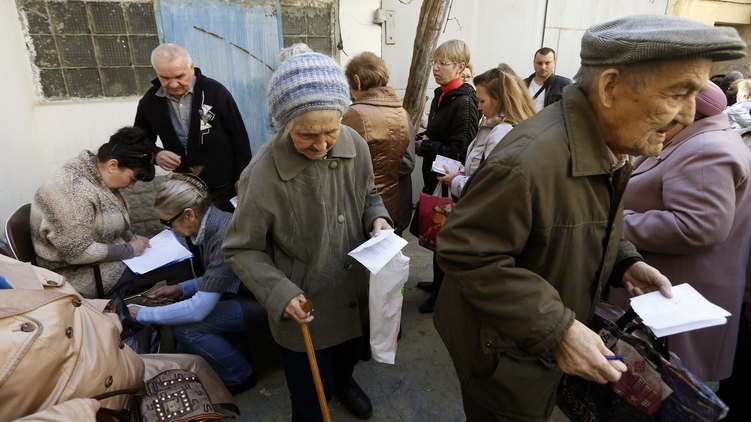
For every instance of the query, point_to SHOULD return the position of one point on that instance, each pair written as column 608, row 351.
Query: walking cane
column 307, row 306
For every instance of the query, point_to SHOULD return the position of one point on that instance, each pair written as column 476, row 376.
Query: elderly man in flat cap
column 538, row 232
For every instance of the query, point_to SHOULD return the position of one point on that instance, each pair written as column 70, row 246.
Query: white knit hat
column 307, row 82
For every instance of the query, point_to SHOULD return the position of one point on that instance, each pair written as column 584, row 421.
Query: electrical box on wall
column 385, row 18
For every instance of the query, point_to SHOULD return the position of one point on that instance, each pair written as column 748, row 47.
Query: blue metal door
column 233, row 41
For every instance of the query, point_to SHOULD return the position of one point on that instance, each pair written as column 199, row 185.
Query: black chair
column 18, row 233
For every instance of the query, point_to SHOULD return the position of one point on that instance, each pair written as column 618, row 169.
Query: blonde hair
column 181, row 191
column 456, row 51
column 370, row 70
column 743, row 85
column 509, row 90
column 471, row 69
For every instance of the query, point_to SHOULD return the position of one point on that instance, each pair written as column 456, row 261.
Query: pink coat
column 688, row 212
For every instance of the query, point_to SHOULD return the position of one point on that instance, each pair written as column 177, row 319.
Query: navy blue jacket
column 223, row 149
column 553, row 87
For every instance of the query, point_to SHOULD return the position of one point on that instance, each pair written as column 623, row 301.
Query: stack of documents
column 165, row 250
column 687, row 310
column 441, row 161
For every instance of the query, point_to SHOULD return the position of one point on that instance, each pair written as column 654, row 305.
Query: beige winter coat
column 57, row 348
column 74, row 216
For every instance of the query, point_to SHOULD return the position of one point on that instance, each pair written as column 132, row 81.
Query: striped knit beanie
column 307, row 82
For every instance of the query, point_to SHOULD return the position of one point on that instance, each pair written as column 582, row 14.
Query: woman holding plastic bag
column 308, row 198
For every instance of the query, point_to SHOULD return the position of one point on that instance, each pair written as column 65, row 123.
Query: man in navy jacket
column 198, row 122
column 544, row 86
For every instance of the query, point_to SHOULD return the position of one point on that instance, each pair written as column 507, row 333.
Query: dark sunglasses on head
column 168, row 223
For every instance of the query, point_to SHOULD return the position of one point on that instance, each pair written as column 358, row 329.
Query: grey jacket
column 295, row 222
column 528, row 248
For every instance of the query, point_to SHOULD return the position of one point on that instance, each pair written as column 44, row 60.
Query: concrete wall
column 712, row 11
column 716, row 12
column 37, row 135
column 497, row 31
column 359, row 33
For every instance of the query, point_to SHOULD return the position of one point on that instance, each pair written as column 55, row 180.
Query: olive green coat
column 528, row 249
column 295, row 222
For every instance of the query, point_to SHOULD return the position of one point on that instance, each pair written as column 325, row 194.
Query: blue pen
column 610, row 357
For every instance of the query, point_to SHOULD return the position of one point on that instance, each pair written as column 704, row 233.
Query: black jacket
column 224, row 148
column 451, row 128
column 553, row 87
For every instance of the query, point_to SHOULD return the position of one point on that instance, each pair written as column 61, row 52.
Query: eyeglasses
column 168, row 223
column 433, row 63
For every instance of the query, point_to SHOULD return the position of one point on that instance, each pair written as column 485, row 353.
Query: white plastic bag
column 385, row 304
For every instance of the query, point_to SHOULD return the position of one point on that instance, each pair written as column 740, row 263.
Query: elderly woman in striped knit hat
column 306, row 199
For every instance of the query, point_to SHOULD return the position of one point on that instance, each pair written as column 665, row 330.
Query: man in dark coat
column 545, row 87
column 538, row 233
column 198, row 122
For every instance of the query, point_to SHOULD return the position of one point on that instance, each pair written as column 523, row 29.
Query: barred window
column 90, row 49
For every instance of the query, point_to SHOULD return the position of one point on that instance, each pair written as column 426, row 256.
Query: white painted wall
column 497, row 31
column 564, row 28
column 38, row 136
column 359, row 33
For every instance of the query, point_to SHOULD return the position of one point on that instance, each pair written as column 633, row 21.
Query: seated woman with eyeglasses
column 213, row 318
column 79, row 216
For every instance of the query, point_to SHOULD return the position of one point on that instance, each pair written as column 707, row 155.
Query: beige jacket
column 57, row 348
column 74, row 217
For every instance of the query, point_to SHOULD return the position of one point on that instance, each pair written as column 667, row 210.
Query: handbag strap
column 542, row 88
column 659, row 345
column 626, row 319
column 141, row 389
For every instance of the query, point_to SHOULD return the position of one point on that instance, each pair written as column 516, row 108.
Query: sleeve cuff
column 616, row 276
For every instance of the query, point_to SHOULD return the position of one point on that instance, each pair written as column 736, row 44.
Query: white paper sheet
column 687, row 310
column 377, row 251
column 165, row 250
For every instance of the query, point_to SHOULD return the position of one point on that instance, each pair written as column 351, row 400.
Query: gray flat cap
column 648, row 37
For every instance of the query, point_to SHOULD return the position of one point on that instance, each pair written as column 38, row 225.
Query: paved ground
column 421, row 386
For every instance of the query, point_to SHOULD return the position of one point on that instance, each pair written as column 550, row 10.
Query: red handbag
column 431, row 214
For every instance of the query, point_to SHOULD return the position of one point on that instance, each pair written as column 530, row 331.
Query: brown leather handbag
column 172, row 396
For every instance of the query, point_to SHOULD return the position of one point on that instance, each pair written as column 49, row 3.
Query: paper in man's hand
column 687, row 310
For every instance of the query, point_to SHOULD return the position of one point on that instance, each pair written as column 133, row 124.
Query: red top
column 456, row 83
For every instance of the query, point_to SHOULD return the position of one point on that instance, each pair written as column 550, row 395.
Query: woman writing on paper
column 213, row 318
column 504, row 100
column 80, row 217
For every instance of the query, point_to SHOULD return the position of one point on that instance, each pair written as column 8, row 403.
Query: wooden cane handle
column 306, row 305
